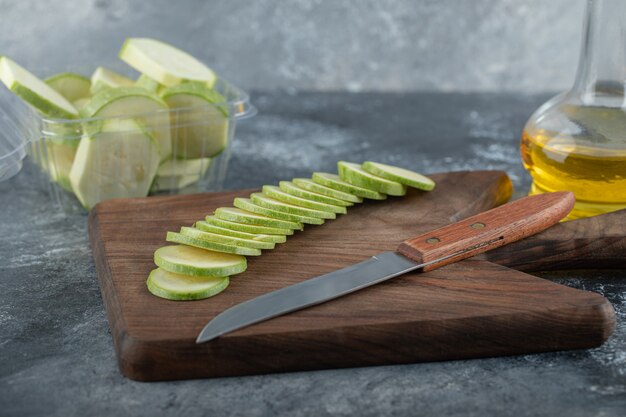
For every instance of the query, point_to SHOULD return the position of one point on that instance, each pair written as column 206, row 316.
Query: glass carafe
column 577, row 140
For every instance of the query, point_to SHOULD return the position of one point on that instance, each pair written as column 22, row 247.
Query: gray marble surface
column 56, row 353
column 361, row 45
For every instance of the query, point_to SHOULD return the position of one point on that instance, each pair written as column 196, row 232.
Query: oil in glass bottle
column 577, row 140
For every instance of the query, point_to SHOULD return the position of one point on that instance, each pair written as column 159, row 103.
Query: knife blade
column 482, row 232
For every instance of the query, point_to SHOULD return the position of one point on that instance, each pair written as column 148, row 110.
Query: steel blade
column 317, row 290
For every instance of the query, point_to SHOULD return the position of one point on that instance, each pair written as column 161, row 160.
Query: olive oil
column 594, row 172
column 577, row 140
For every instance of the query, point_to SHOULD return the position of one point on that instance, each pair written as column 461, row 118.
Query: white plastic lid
column 17, row 128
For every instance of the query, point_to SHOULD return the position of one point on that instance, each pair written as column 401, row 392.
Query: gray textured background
column 380, row 45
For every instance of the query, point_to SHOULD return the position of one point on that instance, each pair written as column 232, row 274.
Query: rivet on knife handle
column 488, row 230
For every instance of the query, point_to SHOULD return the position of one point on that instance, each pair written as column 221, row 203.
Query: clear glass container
column 123, row 157
column 577, row 140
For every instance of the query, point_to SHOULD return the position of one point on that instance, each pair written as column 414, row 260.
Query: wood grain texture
column 469, row 309
column 488, row 230
column 596, row 242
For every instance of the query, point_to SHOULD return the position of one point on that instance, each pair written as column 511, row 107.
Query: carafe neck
column 602, row 67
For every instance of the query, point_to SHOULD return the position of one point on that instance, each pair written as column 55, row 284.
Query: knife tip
column 206, row 337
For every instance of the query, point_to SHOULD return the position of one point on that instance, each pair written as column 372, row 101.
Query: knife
column 485, row 231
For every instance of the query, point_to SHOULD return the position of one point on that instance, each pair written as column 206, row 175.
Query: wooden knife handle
column 489, row 230
column 594, row 242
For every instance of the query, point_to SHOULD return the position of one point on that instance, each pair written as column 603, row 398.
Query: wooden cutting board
column 474, row 308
